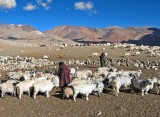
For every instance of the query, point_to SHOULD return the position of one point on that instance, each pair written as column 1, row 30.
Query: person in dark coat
column 64, row 76
column 103, row 60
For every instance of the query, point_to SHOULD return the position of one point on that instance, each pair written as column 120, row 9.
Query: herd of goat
column 10, row 63
column 84, row 81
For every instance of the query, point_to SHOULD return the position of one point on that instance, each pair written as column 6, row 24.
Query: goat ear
column 103, row 75
column 48, row 79
column 143, row 82
column 97, row 84
column 113, row 77
column 146, row 82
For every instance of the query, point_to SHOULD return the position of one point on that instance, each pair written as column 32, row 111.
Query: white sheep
column 103, row 69
column 12, row 81
column 7, row 88
column 126, row 54
column 113, row 74
column 131, row 48
column 14, row 75
column 137, row 53
column 55, row 79
column 117, row 81
column 44, row 86
column 99, row 88
column 78, row 81
column 125, row 81
column 95, row 54
column 116, row 84
column 83, row 74
column 153, row 54
column 131, row 73
column 24, row 86
column 158, row 54
column 100, row 71
column 45, row 57
column 73, row 71
column 27, row 75
column 84, row 89
column 151, row 86
column 141, row 85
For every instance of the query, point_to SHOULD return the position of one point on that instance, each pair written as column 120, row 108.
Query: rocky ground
column 107, row 105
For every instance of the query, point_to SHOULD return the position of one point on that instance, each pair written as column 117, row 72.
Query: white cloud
column 49, row 1
column 29, row 7
column 93, row 12
column 7, row 4
column 83, row 5
column 44, row 4
column 89, row 5
column 38, row 1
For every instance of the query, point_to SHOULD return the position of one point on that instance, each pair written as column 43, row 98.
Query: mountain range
column 137, row 35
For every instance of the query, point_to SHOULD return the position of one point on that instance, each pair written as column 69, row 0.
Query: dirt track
column 108, row 105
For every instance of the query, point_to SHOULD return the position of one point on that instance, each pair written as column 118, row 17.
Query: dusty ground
column 108, row 105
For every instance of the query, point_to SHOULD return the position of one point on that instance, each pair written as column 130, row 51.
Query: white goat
column 73, row 71
column 44, row 86
column 116, row 84
column 7, row 88
column 45, row 57
column 78, row 81
column 126, row 54
column 55, row 79
column 137, row 53
column 131, row 73
column 12, row 81
column 24, row 86
column 118, row 81
column 95, row 54
column 83, row 74
column 99, row 88
column 84, row 89
column 141, row 85
column 150, row 87
column 102, row 70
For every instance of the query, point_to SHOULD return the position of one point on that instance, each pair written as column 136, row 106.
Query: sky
column 47, row 14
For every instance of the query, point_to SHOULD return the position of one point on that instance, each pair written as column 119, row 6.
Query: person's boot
column 62, row 92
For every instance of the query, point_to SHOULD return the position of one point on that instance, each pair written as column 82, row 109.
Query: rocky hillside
column 109, row 34
column 15, row 32
column 138, row 35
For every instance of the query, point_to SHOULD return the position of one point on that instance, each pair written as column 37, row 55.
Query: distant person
column 64, row 76
column 103, row 60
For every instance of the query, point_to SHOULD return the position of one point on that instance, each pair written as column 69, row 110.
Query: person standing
column 103, row 60
column 64, row 76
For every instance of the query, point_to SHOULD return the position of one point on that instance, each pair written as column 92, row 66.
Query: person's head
column 60, row 63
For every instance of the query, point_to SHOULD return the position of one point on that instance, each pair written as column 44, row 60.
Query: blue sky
column 47, row 14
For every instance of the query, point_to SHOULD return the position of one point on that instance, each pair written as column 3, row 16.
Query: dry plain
column 108, row 105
